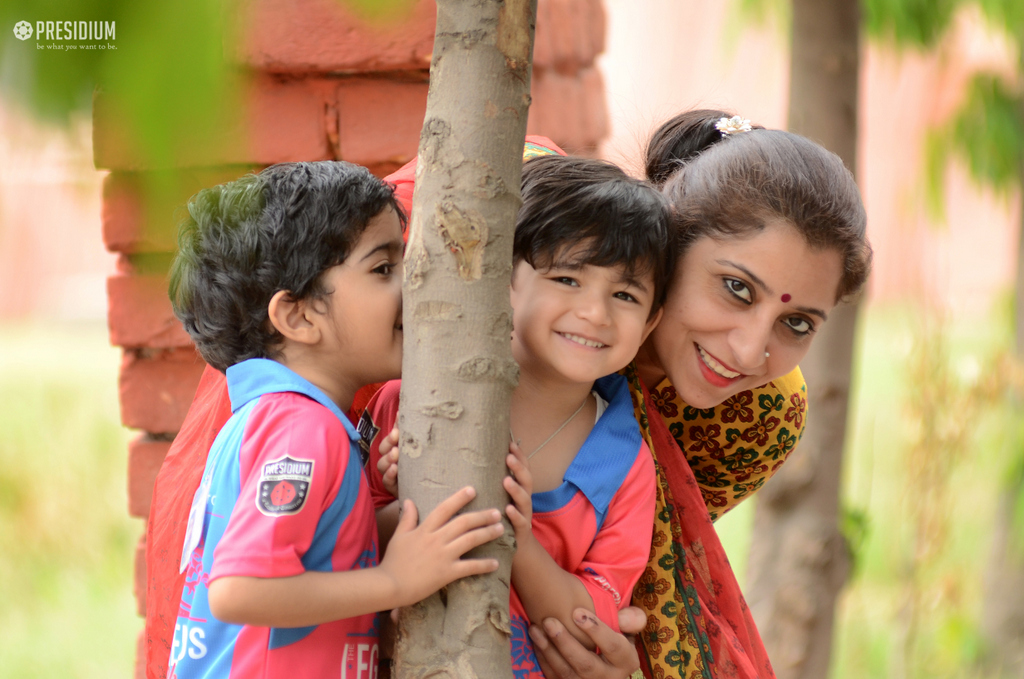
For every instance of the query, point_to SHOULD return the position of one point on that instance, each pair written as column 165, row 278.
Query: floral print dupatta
column 698, row 624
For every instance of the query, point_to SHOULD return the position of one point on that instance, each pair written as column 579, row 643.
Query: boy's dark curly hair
column 245, row 240
column 620, row 221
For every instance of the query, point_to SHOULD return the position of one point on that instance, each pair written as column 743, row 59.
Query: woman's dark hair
column 680, row 140
column 277, row 230
column 731, row 185
column 735, row 185
column 620, row 221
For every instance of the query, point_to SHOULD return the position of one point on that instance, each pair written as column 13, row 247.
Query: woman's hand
column 563, row 657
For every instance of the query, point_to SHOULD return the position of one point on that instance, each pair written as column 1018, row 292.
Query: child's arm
column 419, row 561
column 546, row 590
column 613, row 563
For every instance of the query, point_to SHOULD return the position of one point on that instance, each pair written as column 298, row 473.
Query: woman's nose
column 749, row 344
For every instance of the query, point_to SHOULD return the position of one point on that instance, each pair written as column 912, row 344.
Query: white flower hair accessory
column 733, row 125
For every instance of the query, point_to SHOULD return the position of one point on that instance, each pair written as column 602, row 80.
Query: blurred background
column 931, row 502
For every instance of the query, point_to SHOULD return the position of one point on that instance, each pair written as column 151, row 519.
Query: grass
column 66, row 541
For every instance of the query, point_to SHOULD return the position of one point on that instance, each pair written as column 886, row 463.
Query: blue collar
column 609, row 452
column 255, row 377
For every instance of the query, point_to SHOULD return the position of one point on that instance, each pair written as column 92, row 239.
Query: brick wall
column 320, row 85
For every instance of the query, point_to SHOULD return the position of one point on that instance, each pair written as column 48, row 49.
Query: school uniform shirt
column 596, row 525
column 283, row 493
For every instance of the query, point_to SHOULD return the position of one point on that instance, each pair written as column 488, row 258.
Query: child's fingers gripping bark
column 387, row 465
column 422, row 559
column 519, row 486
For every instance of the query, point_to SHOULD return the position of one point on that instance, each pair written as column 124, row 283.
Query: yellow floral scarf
column 707, row 461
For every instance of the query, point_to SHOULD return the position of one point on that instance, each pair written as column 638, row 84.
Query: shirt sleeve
column 379, row 418
column 618, row 556
column 291, row 464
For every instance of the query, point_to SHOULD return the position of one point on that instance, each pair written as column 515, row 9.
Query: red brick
column 594, row 104
column 139, row 313
column 139, row 580
column 324, row 36
column 570, row 34
column 145, row 455
column 141, row 210
column 570, row 109
column 380, row 120
column 283, row 121
column 157, row 386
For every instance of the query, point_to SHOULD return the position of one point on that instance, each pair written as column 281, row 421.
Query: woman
column 772, row 236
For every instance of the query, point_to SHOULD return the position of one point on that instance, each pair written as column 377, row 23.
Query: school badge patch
column 367, row 432
column 283, row 486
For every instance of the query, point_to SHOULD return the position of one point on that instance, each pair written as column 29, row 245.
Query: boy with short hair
column 290, row 282
column 592, row 259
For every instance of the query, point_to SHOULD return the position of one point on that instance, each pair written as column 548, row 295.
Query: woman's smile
column 717, row 368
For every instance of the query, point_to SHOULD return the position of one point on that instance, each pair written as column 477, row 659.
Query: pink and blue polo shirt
column 596, row 525
column 283, row 493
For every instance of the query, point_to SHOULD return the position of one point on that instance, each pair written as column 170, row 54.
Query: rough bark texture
column 799, row 559
column 1003, row 606
column 458, row 370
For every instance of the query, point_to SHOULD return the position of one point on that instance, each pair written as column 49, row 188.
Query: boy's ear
column 652, row 323
column 293, row 318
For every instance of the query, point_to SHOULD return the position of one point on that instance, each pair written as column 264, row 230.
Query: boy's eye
column 738, row 289
column 626, row 297
column 799, row 325
column 566, row 280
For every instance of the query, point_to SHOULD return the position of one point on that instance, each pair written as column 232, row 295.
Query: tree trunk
column 1003, row 606
column 458, row 371
column 799, row 559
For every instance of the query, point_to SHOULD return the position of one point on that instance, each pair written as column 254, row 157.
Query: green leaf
column 908, row 23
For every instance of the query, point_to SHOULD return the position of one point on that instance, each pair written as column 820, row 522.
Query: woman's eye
column 738, row 289
column 385, row 269
column 800, row 326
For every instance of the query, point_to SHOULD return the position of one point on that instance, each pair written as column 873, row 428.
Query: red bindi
column 786, row 298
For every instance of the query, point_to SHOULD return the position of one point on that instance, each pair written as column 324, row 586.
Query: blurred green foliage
column 902, row 23
column 908, row 23
column 986, row 132
column 164, row 73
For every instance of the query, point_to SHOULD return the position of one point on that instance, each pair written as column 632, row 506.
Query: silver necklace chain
column 557, row 431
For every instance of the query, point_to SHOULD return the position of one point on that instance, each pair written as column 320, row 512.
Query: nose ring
column 766, row 354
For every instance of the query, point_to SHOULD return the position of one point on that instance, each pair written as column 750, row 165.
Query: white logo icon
column 23, row 30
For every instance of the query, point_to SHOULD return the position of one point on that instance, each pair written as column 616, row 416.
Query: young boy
column 290, row 281
column 592, row 258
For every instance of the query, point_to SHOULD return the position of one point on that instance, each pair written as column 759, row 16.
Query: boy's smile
column 578, row 323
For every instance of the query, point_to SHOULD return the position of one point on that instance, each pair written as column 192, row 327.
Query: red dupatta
column 698, row 624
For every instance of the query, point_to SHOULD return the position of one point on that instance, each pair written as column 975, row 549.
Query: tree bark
column 799, row 559
column 458, row 371
column 1003, row 604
